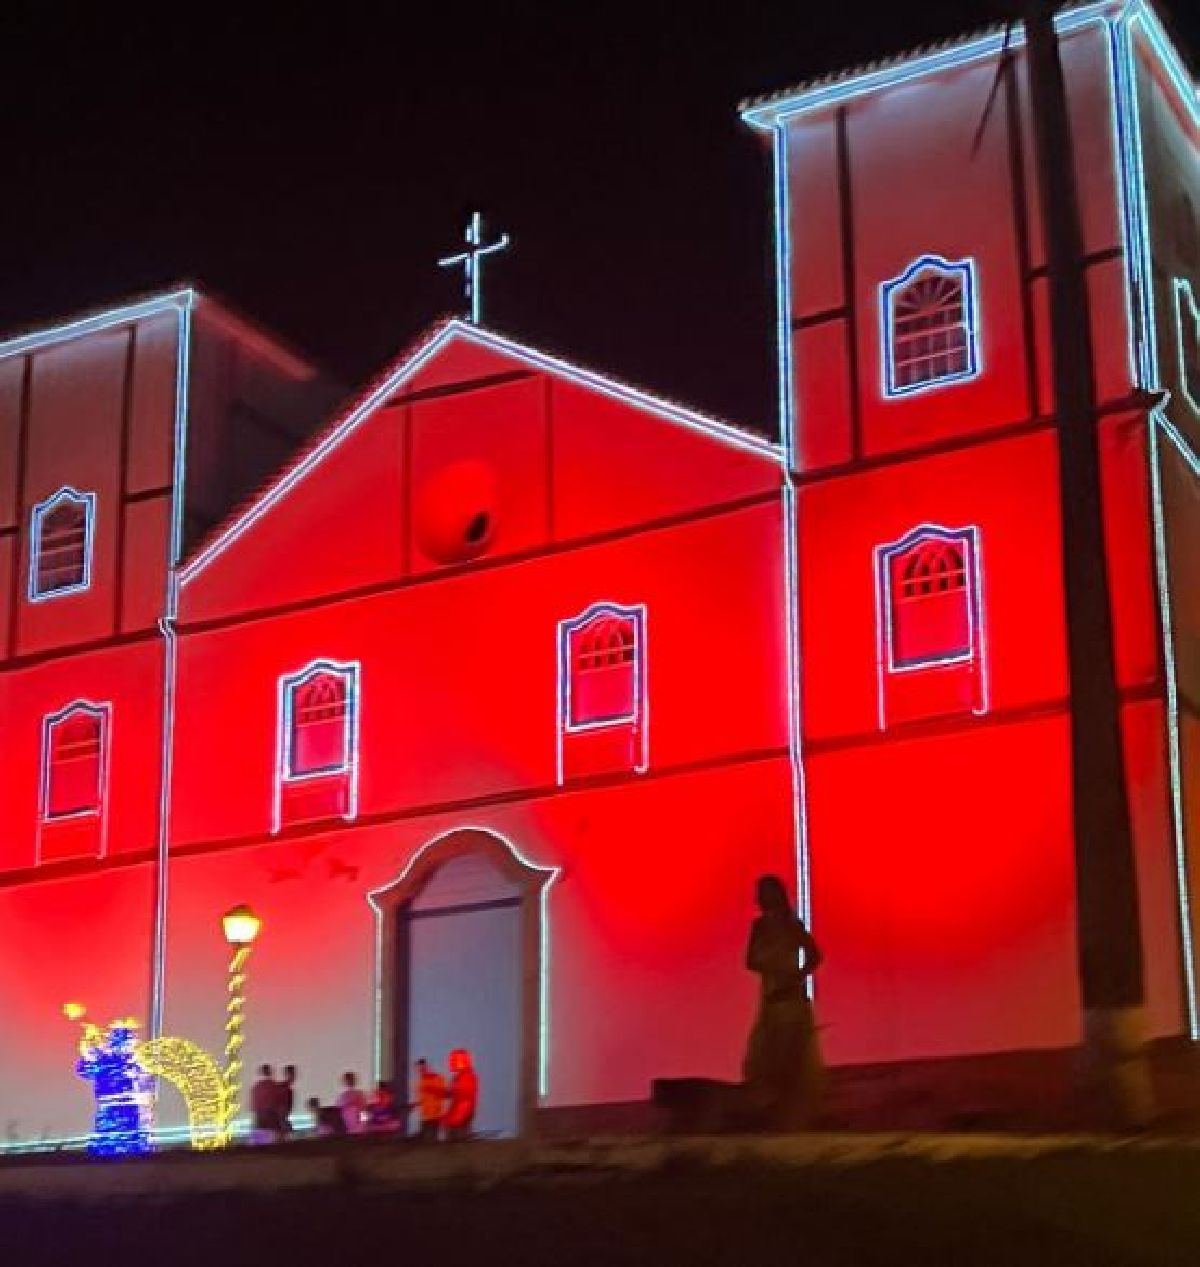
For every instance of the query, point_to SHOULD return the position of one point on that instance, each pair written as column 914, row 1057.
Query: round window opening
column 455, row 512
column 479, row 529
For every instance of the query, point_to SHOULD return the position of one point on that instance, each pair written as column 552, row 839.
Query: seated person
column 327, row 1118
column 382, row 1112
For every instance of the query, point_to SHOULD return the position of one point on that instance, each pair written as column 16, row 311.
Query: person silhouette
column 462, row 1094
column 783, row 1066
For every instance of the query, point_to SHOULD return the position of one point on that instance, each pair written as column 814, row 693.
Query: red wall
column 591, row 499
column 646, row 922
column 894, row 175
column 963, row 937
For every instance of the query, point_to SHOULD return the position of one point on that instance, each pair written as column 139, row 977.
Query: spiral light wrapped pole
column 241, row 927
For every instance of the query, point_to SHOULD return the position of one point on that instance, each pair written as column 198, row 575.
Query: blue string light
column 122, row 1090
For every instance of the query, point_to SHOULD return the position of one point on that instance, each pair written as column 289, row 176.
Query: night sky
column 309, row 167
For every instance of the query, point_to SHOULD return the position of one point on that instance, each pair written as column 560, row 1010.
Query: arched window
column 73, row 743
column 319, row 726
column 1187, row 332
column 60, row 559
column 929, row 325
column 604, row 671
column 932, row 635
column 603, row 707
column 930, row 603
column 317, row 744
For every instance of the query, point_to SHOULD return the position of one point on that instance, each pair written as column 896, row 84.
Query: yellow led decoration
column 195, row 1075
column 234, row 1019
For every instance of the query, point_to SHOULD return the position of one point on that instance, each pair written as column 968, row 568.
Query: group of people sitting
column 446, row 1106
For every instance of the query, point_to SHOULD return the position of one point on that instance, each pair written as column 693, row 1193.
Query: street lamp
column 240, row 926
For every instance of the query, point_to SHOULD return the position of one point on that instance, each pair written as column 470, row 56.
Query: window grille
column 931, row 339
column 320, row 725
column 74, row 764
column 603, row 671
column 930, row 603
column 61, row 544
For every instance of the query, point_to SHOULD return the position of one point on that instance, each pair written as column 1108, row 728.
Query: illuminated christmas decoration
column 122, row 1088
column 241, row 927
column 802, row 713
column 197, row 1078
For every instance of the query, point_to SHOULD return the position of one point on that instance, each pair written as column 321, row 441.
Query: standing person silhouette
column 783, row 1060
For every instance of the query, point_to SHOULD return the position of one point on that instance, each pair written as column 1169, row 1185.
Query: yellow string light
column 234, row 1022
column 195, row 1075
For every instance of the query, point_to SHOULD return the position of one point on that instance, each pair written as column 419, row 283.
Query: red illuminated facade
column 497, row 695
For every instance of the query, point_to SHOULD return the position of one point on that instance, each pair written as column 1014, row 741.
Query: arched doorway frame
column 533, row 881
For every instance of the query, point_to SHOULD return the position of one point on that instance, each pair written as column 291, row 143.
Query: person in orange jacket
column 463, row 1095
column 431, row 1101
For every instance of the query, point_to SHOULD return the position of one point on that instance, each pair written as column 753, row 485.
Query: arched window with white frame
column 74, row 742
column 317, row 743
column 602, row 697
column 60, row 544
column 931, row 624
column 929, row 319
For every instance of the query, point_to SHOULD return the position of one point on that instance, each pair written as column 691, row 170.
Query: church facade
column 494, row 689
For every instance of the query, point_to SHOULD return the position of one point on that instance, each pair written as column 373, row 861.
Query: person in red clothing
column 463, row 1095
column 431, row 1100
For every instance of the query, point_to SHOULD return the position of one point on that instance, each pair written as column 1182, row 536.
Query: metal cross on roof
column 470, row 260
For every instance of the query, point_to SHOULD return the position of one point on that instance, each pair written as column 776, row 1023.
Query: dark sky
column 310, row 167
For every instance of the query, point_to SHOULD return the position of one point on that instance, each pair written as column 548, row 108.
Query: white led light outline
column 184, row 304
column 551, row 873
column 1158, row 422
column 783, row 297
column 387, row 387
column 123, row 315
column 1167, row 55
column 102, row 712
column 1143, row 334
column 350, row 671
column 1185, row 297
column 976, row 653
column 772, row 113
column 1143, row 326
column 791, row 584
column 87, row 502
column 639, row 717
column 471, row 259
column 1127, row 209
column 160, row 1135
column 966, row 271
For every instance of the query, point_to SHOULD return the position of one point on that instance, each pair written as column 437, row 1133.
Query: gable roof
column 404, row 368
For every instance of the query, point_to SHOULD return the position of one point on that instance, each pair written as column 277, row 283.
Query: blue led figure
column 122, row 1089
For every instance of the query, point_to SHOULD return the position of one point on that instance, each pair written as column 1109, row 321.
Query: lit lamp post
column 241, row 927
